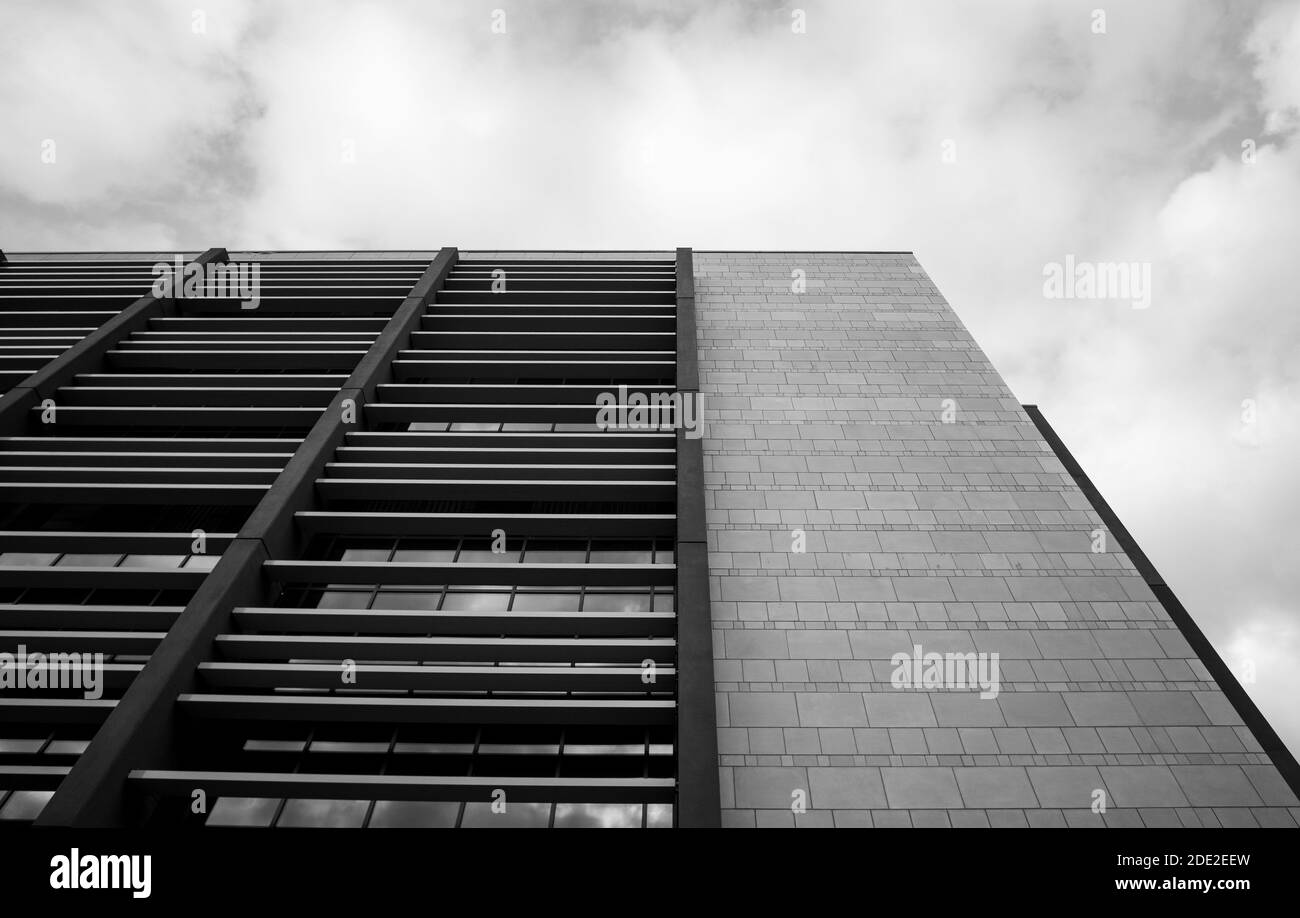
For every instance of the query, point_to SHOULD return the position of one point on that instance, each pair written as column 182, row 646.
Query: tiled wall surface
column 825, row 413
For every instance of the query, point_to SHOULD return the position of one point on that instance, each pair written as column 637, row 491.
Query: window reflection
column 28, row 558
column 516, row 816
column 477, row 601
column 413, row 814
column 25, row 804
column 243, row 811
column 357, row 748
column 433, row 748
column 325, row 814
column 341, row 599
column 545, row 602
column 597, row 815
column 365, row 554
column 408, row 599
column 88, row 560
column 519, row 748
column 604, row 748
column 616, row 602
column 153, row 560
column 268, row 745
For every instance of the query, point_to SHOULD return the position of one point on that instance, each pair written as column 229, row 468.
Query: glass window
column 344, row 599
column 267, row 745
column 505, row 748
column 616, row 602
column 604, row 748
column 598, row 816
column 433, row 748
column 545, row 602
column 426, row 600
column 153, row 561
column 478, row 601
column 25, row 804
column 516, row 816
column 89, row 560
column 479, row 551
column 659, row 815
column 28, row 558
column 367, row 555
column 325, row 814
column 243, row 811
column 425, row 550
column 413, row 814
column 202, row 562
column 349, row 746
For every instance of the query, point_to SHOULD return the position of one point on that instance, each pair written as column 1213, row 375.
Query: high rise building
column 570, row 538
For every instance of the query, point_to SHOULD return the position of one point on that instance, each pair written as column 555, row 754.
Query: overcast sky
column 652, row 125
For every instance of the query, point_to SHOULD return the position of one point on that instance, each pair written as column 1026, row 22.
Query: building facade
column 570, row 539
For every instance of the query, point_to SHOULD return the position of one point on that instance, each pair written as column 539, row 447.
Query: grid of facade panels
column 48, row 304
column 128, row 472
column 938, row 520
column 480, row 629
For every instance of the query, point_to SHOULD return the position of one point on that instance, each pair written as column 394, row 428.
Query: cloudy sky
column 992, row 139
